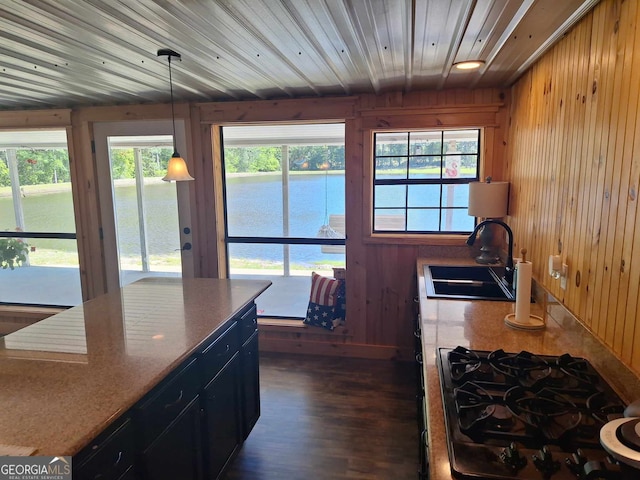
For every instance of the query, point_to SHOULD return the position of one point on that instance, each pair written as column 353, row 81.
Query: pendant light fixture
column 177, row 169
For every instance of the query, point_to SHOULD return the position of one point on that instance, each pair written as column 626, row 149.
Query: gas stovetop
column 526, row 416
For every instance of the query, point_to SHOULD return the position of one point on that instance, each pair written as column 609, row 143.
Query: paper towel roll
column 523, row 293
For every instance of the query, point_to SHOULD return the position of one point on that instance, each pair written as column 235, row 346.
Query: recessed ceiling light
column 469, row 64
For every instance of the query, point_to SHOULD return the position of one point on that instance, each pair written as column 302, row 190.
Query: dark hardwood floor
column 332, row 418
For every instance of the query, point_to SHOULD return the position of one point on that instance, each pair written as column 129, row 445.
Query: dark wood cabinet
column 250, row 384
column 109, row 456
column 222, row 418
column 176, row 453
column 190, row 425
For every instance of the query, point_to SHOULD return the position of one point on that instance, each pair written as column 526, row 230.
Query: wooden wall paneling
column 87, row 210
column 584, row 145
column 576, row 242
column 544, row 177
column 201, row 172
column 357, row 151
column 591, row 159
column 607, row 226
column 206, row 214
column 489, row 168
column 559, row 154
column 517, row 199
column 130, row 112
column 554, row 156
column 376, row 289
column 605, row 92
column 76, row 173
column 624, row 150
column 426, row 120
column 572, row 170
column 216, row 241
column 592, row 203
column 391, row 288
column 298, row 110
column 631, row 335
column 530, row 146
column 35, row 119
column 608, row 308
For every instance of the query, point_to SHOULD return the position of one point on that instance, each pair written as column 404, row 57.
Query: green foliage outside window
column 268, row 159
column 13, row 252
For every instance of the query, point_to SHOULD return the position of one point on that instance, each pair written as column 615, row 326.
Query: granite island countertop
column 66, row 378
column 480, row 325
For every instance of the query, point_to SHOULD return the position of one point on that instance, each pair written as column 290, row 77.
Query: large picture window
column 421, row 180
column 284, row 209
column 38, row 249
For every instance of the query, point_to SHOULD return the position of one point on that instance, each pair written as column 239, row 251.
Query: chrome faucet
column 508, row 271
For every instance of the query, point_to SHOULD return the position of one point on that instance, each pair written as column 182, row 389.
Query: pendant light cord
column 173, row 114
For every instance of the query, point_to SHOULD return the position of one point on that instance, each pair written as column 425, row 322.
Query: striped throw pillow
column 323, row 289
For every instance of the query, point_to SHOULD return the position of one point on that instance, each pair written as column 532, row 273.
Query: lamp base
column 487, row 258
column 488, row 255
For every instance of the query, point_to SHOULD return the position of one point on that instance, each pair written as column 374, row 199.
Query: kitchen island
column 67, row 378
column 479, row 325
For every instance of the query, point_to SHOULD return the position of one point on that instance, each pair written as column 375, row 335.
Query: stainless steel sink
column 467, row 282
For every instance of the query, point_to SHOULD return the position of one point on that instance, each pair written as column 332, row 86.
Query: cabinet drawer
column 216, row 355
column 109, row 456
column 163, row 405
column 248, row 324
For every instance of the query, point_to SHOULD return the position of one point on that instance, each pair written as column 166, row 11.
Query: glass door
column 146, row 224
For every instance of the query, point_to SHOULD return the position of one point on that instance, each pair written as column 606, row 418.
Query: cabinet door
column 250, row 385
column 222, row 418
column 109, row 456
column 176, row 453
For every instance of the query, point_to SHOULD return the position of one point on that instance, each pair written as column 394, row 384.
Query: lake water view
column 254, row 209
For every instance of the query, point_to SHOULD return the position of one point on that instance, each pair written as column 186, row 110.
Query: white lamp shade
column 488, row 200
column 177, row 170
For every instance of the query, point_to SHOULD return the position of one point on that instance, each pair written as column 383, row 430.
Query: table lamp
column 488, row 200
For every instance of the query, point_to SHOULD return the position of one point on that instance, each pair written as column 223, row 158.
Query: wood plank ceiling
column 66, row 53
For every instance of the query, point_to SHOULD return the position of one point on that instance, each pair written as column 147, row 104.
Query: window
column 421, row 180
column 36, row 216
column 284, row 209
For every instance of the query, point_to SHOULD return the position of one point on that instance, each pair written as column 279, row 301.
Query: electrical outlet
column 563, row 276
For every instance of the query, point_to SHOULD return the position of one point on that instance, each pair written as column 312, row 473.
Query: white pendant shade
column 177, row 170
column 488, row 200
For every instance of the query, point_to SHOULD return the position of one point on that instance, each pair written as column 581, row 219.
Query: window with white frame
column 421, row 180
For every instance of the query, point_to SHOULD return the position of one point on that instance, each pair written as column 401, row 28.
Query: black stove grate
column 520, row 415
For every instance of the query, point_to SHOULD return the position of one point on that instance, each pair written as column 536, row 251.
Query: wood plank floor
column 332, row 418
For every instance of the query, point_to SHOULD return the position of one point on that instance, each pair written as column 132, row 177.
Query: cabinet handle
column 118, row 459
column 173, row 404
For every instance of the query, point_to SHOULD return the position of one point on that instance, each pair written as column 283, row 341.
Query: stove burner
column 463, row 363
column 602, row 409
column 548, row 412
column 477, row 409
column 523, row 369
column 526, row 416
column 578, row 369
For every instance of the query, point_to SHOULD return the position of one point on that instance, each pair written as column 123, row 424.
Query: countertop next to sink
column 66, row 378
column 480, row 325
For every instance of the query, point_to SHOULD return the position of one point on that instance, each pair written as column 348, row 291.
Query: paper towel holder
column 523, row 319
